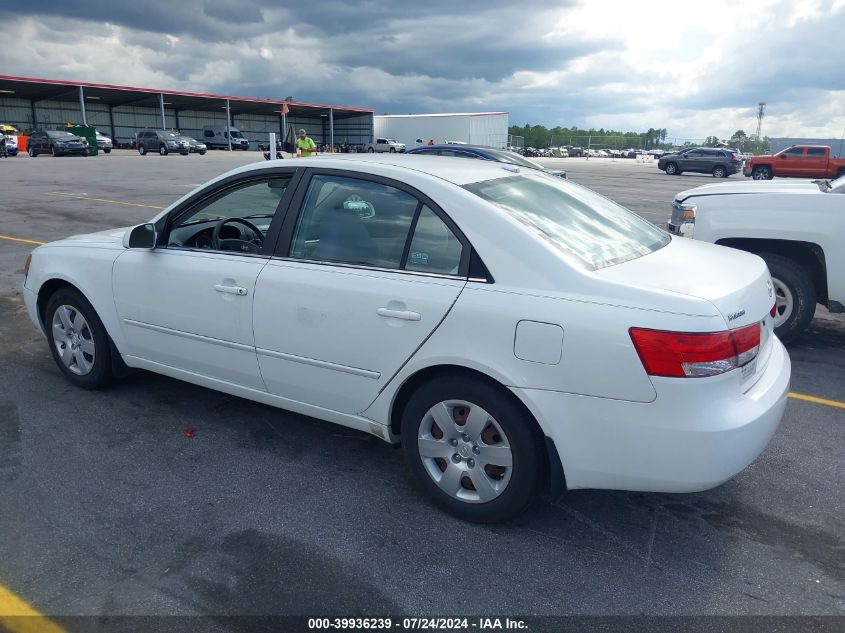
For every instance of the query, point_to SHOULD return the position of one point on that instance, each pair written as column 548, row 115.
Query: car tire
column 162, row 150
column 31, row 151
column 106, row 150
column 87, row 361
column 509, row 489
column 795, row 295
column 142, row 150
column 671, row 169
column 202, row 153
column 392, row 150
column 53, row 151
column 370, row 150
column 720, row 172
column 762, row 172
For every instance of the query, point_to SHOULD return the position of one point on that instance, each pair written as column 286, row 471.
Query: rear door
column 364, row 273
column 815, row 162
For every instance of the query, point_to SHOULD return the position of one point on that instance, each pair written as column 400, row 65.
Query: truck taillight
column 695, row 354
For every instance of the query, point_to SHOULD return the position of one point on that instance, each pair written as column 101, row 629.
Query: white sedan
column 512, row 330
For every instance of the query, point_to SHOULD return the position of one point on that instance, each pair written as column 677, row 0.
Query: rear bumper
column 695, row 435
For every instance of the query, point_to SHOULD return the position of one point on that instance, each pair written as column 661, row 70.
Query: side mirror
column 782, row 156
column 143, row 236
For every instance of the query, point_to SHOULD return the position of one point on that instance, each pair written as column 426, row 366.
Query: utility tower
column 761, row 111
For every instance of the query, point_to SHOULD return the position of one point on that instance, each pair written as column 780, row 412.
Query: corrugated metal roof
column 446, row 114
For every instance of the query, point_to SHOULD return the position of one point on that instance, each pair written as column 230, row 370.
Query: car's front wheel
column 162, row 149
column 672, row 169
column 142, row 150
column 761, row 172
column 106, row 150
column 471, row 449
column 795, row 295
column 78, row 340
column 720, row 172
column 31, row 151
column 54, row 151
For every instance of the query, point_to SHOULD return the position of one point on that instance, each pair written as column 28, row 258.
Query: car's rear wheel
column 795, row 295
column 370, row 150
column 761, row 172
column 162, row 149
column 672, row 169
column 78, row 341
column 720, row 172
column 142, row 150
column 471, row 449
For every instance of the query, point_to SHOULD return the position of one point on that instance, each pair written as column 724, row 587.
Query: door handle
column 405, row 315
column 232, row 290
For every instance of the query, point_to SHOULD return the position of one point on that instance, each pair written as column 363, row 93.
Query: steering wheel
column 243, row 246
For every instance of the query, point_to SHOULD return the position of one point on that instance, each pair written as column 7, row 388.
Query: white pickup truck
column 385, row 145
column 798, row 227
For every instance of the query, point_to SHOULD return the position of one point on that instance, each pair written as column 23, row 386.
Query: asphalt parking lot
column 107, row 508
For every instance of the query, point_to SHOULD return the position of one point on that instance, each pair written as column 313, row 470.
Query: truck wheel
column 370, row 150
column 761, row 172
column 795, row 295
column 672, row 169
column 392, row 150
column 720, row 172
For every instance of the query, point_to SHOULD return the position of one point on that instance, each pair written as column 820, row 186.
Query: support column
column 34, row 118
column 111, row 125
column 161, row 106
column 82, row 105
column 176, row 115
column 228, row 125
column 331, row 129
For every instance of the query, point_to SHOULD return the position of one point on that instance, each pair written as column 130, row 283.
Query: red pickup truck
column 798, row 161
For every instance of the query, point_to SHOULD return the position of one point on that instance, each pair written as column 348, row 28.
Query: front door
column 369, row 270
column 188, row 303
column 790, row 162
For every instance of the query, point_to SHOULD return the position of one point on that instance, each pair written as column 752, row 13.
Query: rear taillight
column 694, row 354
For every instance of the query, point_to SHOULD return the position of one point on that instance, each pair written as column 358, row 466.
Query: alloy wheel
column 74, row 340
column 784, row 302
column 465, row 451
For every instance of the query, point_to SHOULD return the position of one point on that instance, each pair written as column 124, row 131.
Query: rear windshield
column 514, row 159
column 590, row 229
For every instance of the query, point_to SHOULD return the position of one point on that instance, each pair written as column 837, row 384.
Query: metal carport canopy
column 37, row 89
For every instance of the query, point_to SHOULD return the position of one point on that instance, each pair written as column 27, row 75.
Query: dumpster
column 89, row 133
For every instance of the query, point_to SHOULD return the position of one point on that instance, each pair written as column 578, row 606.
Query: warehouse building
column 477, row 128
column 120, row 111
column 837, row 145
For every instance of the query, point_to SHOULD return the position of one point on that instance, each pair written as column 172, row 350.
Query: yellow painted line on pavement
column 828, row 403
column 126, row 204
column 18, row 617
column 20, row 239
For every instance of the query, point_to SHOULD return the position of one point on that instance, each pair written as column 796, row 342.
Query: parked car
column 385, row 145
column 217, row 137
column 511, row 330
column 8, row 145
column 484, row 153
column 194, row 146
column 161, row 141
column 602, row 153
column 57, row 143
column 104, row 143
column 798, row 161
column 703, row 160
column 798, row 228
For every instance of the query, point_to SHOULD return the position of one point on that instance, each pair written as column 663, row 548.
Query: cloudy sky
column 694, row 67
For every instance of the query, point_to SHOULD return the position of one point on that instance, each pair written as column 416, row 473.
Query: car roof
column 458, row 171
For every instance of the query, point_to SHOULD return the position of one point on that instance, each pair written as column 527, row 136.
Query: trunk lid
column 737, row 283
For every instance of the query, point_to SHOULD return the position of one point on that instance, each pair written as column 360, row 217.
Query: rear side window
column 818, row 152
column 589, row 229
column 434, row 248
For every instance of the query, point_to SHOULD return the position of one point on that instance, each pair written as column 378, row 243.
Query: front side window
column 354, row 221
column 589, row 229
column 237, row 220
column 794, row 152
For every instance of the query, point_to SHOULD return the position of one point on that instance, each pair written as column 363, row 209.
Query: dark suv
column 703, row 160
column 161, row 141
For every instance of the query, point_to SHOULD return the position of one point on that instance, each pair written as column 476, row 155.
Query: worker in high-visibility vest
column 305, row 145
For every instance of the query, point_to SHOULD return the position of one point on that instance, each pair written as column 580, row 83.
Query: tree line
column 654, row 138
